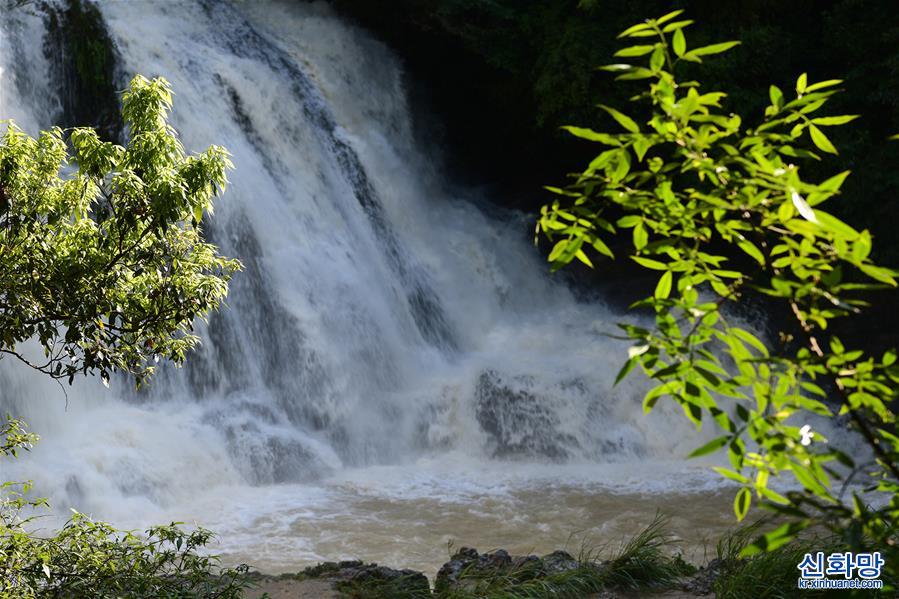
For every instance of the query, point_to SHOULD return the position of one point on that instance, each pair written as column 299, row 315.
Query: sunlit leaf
column 635, row 51
column 711, row 446
column 821, row 140
column 679, row 42
column 622, row 119
column 712, row 49
column 663, row 287
column 741, row 503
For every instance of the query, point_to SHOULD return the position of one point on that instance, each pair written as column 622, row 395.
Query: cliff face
column 83, row 59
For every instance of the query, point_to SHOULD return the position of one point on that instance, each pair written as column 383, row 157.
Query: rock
column 527, row 563
column 406, row 580
column 360, row 577
column 449, row 574
column 558, row 562
column 467, row 566
column 703, row 582
column 517, row 420
column 497, row 560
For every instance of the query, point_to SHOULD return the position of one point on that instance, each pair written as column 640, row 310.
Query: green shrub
column 92, row 559
column 714, row 203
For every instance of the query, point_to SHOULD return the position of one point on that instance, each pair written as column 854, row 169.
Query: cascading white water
column 383, row 324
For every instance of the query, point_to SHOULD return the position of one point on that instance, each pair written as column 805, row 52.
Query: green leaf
column 580, row 255
column 679, row 42
column 879, row 274
column 821, row 140
column 711, row 446
column 663, row 287
column 832, row 223
column 631, row 220
column 741, row 503
column 735, row 476
column 641, row 237
column 754, row 252
column 829, row 121
column 657, row 60
column 635, row 51
column 861, row 249
column 641, row 146
column 623, row 120
column 667, row 17
column 591, row 135
column 638, row 28
column 650, row 399
column 712, row 49
column 558, row 249
column 749, row 338
column 807, row 479
column 676, row 26
column 834, row 183
column 777, row 96
column 778, row 537
column 652, row 264
column 801, row 83
column 601, row 247
column 626, row 369
column 822, row 85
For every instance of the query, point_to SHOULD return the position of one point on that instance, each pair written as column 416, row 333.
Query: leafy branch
column 719, row 210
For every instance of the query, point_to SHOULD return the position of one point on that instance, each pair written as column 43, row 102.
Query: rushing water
column 393, row 370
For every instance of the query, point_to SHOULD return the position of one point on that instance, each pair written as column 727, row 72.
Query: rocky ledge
column 469, row 573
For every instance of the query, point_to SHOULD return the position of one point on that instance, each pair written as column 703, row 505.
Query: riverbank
column 470, row 574
column 647, row 565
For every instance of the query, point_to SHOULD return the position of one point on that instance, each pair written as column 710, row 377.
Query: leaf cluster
column 91, row 559
column 102, row 256
column 715, row 204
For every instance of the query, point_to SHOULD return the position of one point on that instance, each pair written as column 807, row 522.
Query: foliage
column 770, row 574
column 642, row 562
column 718, row 209
column 105, row 264
column 542, row 53
column 91, row 559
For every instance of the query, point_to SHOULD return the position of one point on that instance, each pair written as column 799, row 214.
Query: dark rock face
column 519, row 422
column 83, row 58
column 360, row 577
column 466, row 566
column 558, row 562
column 703, row 582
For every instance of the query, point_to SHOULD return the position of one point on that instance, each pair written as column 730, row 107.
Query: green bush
column 106, row 268
column 92, row 559
column 714, row 203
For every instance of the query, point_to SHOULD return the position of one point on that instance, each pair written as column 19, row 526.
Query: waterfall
column 384, row 318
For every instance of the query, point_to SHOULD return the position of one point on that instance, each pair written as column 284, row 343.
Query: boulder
column 361, row 577
column 467, row 566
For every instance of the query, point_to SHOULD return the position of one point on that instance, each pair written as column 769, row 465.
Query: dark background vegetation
column 503, row 76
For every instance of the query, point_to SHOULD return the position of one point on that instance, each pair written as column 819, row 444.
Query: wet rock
column 360, row 577
column 496, row 560
column 450, row 573
column 558, row 562
column 703, row 582
column 467, row 567
column 526, row 562
column 518, row 421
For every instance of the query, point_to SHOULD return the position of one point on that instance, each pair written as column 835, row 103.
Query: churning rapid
column 388, row 341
